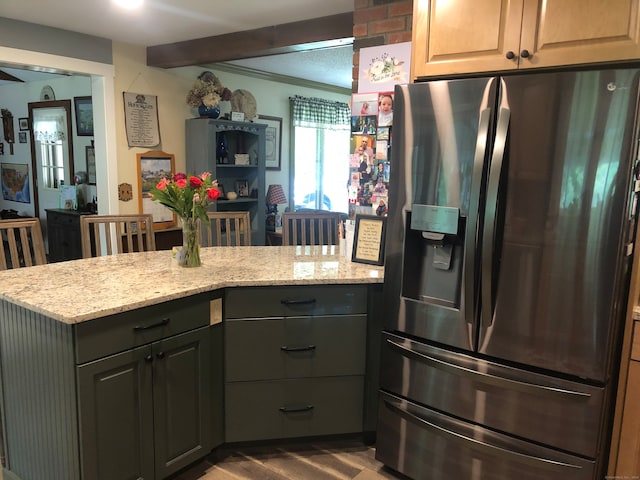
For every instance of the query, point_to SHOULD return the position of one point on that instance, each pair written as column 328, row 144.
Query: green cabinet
column 294, row 361
column 242, row 170
column 135, row 395
column 145, row 413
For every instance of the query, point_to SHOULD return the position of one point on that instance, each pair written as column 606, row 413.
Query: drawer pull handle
column 161, row 323
column 306, row 348
column 305, row 408
column 307, row 301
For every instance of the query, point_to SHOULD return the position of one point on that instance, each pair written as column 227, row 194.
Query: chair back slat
column 112, row 234
column 227, row 229
column 310, row 228
column 22, row 243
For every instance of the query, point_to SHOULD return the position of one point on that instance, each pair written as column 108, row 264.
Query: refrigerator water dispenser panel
column 432, row 267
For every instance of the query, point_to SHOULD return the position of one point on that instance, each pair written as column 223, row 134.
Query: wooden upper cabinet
column 467, row 36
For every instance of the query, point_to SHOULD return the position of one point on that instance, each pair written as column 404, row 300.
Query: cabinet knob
column 510, row 55
column 525, row 54
column 160, row 355
column 148, row 359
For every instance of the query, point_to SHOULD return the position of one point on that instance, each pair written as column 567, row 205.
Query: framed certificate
column 368, row 240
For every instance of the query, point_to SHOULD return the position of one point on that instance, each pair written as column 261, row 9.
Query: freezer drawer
column 552, row 411
column 422, row 443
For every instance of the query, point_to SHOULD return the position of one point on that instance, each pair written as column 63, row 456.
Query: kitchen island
column 130, row 366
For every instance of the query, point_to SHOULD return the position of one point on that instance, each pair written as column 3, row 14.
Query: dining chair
column 112, row 234
column 22, row 243
column 310, row 228
column 227, row 229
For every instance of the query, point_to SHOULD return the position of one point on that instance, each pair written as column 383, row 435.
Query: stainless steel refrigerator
column 508, row 253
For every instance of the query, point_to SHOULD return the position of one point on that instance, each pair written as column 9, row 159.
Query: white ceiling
column 168, row 21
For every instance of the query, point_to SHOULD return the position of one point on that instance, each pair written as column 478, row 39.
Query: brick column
column 379, row 22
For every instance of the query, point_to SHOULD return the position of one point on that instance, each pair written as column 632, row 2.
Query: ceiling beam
column 289, row 37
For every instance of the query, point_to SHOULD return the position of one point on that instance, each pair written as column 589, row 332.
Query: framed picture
column 153, row 166
column 273, row 136
column 15, row 182
column 84, row 116
column 242, row 188
column 22, row 137
column 23, row 124
column 368, row 240
column 91, row 165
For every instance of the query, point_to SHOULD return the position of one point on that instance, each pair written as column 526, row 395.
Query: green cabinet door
column 182, row 400
column 116, row 417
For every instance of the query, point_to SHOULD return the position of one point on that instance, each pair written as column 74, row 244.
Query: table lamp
column 275, row 196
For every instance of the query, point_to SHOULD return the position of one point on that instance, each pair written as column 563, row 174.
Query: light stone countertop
column 80, row 290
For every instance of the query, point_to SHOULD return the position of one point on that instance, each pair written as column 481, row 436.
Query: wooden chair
column 22, row 243
column 227, row 229
column 119, row 233
column 317, row 228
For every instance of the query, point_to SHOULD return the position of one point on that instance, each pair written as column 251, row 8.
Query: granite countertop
column 80, row 290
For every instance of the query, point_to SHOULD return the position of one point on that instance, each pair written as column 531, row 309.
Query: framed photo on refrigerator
column 368, row 240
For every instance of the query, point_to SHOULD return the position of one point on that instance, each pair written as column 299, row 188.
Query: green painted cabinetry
column 294, row 361
column 242, row 165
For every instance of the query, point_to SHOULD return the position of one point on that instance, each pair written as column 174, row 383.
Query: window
column 49, row 134
column 321, row 153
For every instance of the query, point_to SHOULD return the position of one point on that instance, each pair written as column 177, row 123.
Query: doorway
column 51, row 154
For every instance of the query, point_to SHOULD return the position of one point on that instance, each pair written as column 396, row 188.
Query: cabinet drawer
column 293, row 408
column 105, row 336
column 295, row 347
column 295, row 301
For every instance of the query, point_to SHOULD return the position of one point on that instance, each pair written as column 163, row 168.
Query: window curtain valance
column 320, row 113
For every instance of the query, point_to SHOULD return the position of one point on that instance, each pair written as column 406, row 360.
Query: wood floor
column 344, row 459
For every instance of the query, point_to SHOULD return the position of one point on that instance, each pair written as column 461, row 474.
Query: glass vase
column 189, row 254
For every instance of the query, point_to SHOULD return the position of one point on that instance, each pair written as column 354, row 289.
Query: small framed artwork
column 23, row 124
column 91, row 165
column 242, row 188
column 273, row 144
column 84, row 116
column 22, row 137
column 368, row 240
column 153, row 166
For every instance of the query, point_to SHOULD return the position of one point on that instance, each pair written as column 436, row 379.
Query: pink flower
column 181, row 183
column 162, row 184
column 196, row 197
column 205, row 175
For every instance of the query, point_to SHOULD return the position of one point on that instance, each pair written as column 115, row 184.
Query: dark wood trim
column 289, row 37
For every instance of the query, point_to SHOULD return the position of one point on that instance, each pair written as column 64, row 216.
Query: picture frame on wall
column 23, row 124
column 84, row 116
column 22, row 137
column 273, row 141
column 91, row 164
column 152, row 167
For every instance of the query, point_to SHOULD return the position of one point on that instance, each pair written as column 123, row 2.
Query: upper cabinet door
column 465, row 36
column 569, row 32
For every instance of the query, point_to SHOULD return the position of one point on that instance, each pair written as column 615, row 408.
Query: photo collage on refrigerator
column 371, row 124
column 380, row 69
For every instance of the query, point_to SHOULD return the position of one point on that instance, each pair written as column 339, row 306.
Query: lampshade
column 275, row 195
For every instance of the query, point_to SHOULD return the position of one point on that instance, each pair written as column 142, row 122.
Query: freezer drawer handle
column 306, row 348
column 304, row 408
column 477, row 444
column 307, row 301
column 487, row 378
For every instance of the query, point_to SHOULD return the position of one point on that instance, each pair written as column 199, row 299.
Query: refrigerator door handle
column 491, row 210
column 472, row 234
column 487, row 378
column 479, row 445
